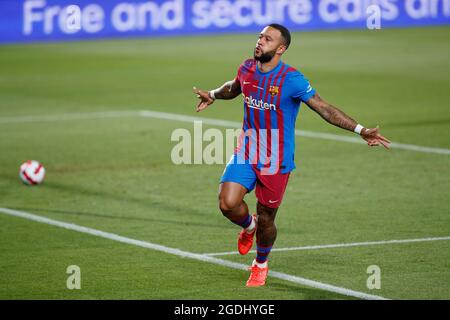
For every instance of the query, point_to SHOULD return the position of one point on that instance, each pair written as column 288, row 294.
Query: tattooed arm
column 229, row 90
column 338, row 118
column 331, row 114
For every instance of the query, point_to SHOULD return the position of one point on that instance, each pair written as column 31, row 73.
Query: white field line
column 209, row 121
column 185, row 254
column 339, row 245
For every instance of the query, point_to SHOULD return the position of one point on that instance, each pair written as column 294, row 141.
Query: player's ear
column 281, row 49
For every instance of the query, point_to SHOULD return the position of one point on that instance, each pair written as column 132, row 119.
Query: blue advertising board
column 50, row 20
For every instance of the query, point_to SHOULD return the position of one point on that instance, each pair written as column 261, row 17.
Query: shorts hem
column 248, row 190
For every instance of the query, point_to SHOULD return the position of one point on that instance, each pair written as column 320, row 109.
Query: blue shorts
column 270, row 189
column 242, row 173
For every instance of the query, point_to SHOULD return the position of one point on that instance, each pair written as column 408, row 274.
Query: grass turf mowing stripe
column 69, row 116
column 338, row 245
column 209, row 121
column 185, row 254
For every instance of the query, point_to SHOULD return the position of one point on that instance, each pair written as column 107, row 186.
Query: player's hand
column 205, row 99
column 374, row 138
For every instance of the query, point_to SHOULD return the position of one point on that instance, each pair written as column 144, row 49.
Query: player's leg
column 233, row 206
column 231, row 202
column 237, row 181
column 266, row 233
column 265, row 238
column 269, row 192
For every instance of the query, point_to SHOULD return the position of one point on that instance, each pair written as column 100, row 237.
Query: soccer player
column 272, row 92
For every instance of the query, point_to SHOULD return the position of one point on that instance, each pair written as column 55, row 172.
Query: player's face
column 269, row 44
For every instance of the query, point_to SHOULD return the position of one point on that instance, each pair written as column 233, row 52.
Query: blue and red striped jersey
column 271, row 105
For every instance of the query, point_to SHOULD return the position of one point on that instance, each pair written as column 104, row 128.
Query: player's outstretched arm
column 228, row 91
column 338, row 118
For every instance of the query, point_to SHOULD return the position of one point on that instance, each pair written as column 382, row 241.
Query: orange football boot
column 258, row 276
column 245, row 240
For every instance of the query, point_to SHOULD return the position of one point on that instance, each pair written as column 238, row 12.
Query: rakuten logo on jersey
column 259, row 104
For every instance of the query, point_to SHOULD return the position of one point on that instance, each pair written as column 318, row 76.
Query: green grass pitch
column 115, row 174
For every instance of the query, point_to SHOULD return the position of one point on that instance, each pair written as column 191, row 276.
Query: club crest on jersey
column 273, row 90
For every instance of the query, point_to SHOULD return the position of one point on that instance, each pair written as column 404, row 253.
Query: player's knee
column 227, row 205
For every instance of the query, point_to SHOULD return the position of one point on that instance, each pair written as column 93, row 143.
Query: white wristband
column 212, row 94
column 358, row 129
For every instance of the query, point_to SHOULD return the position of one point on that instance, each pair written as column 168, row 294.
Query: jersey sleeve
column 301, row 88
column 238, row 75
column 244, row 68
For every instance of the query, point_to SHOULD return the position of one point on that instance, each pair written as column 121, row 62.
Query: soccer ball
column 32, row 172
